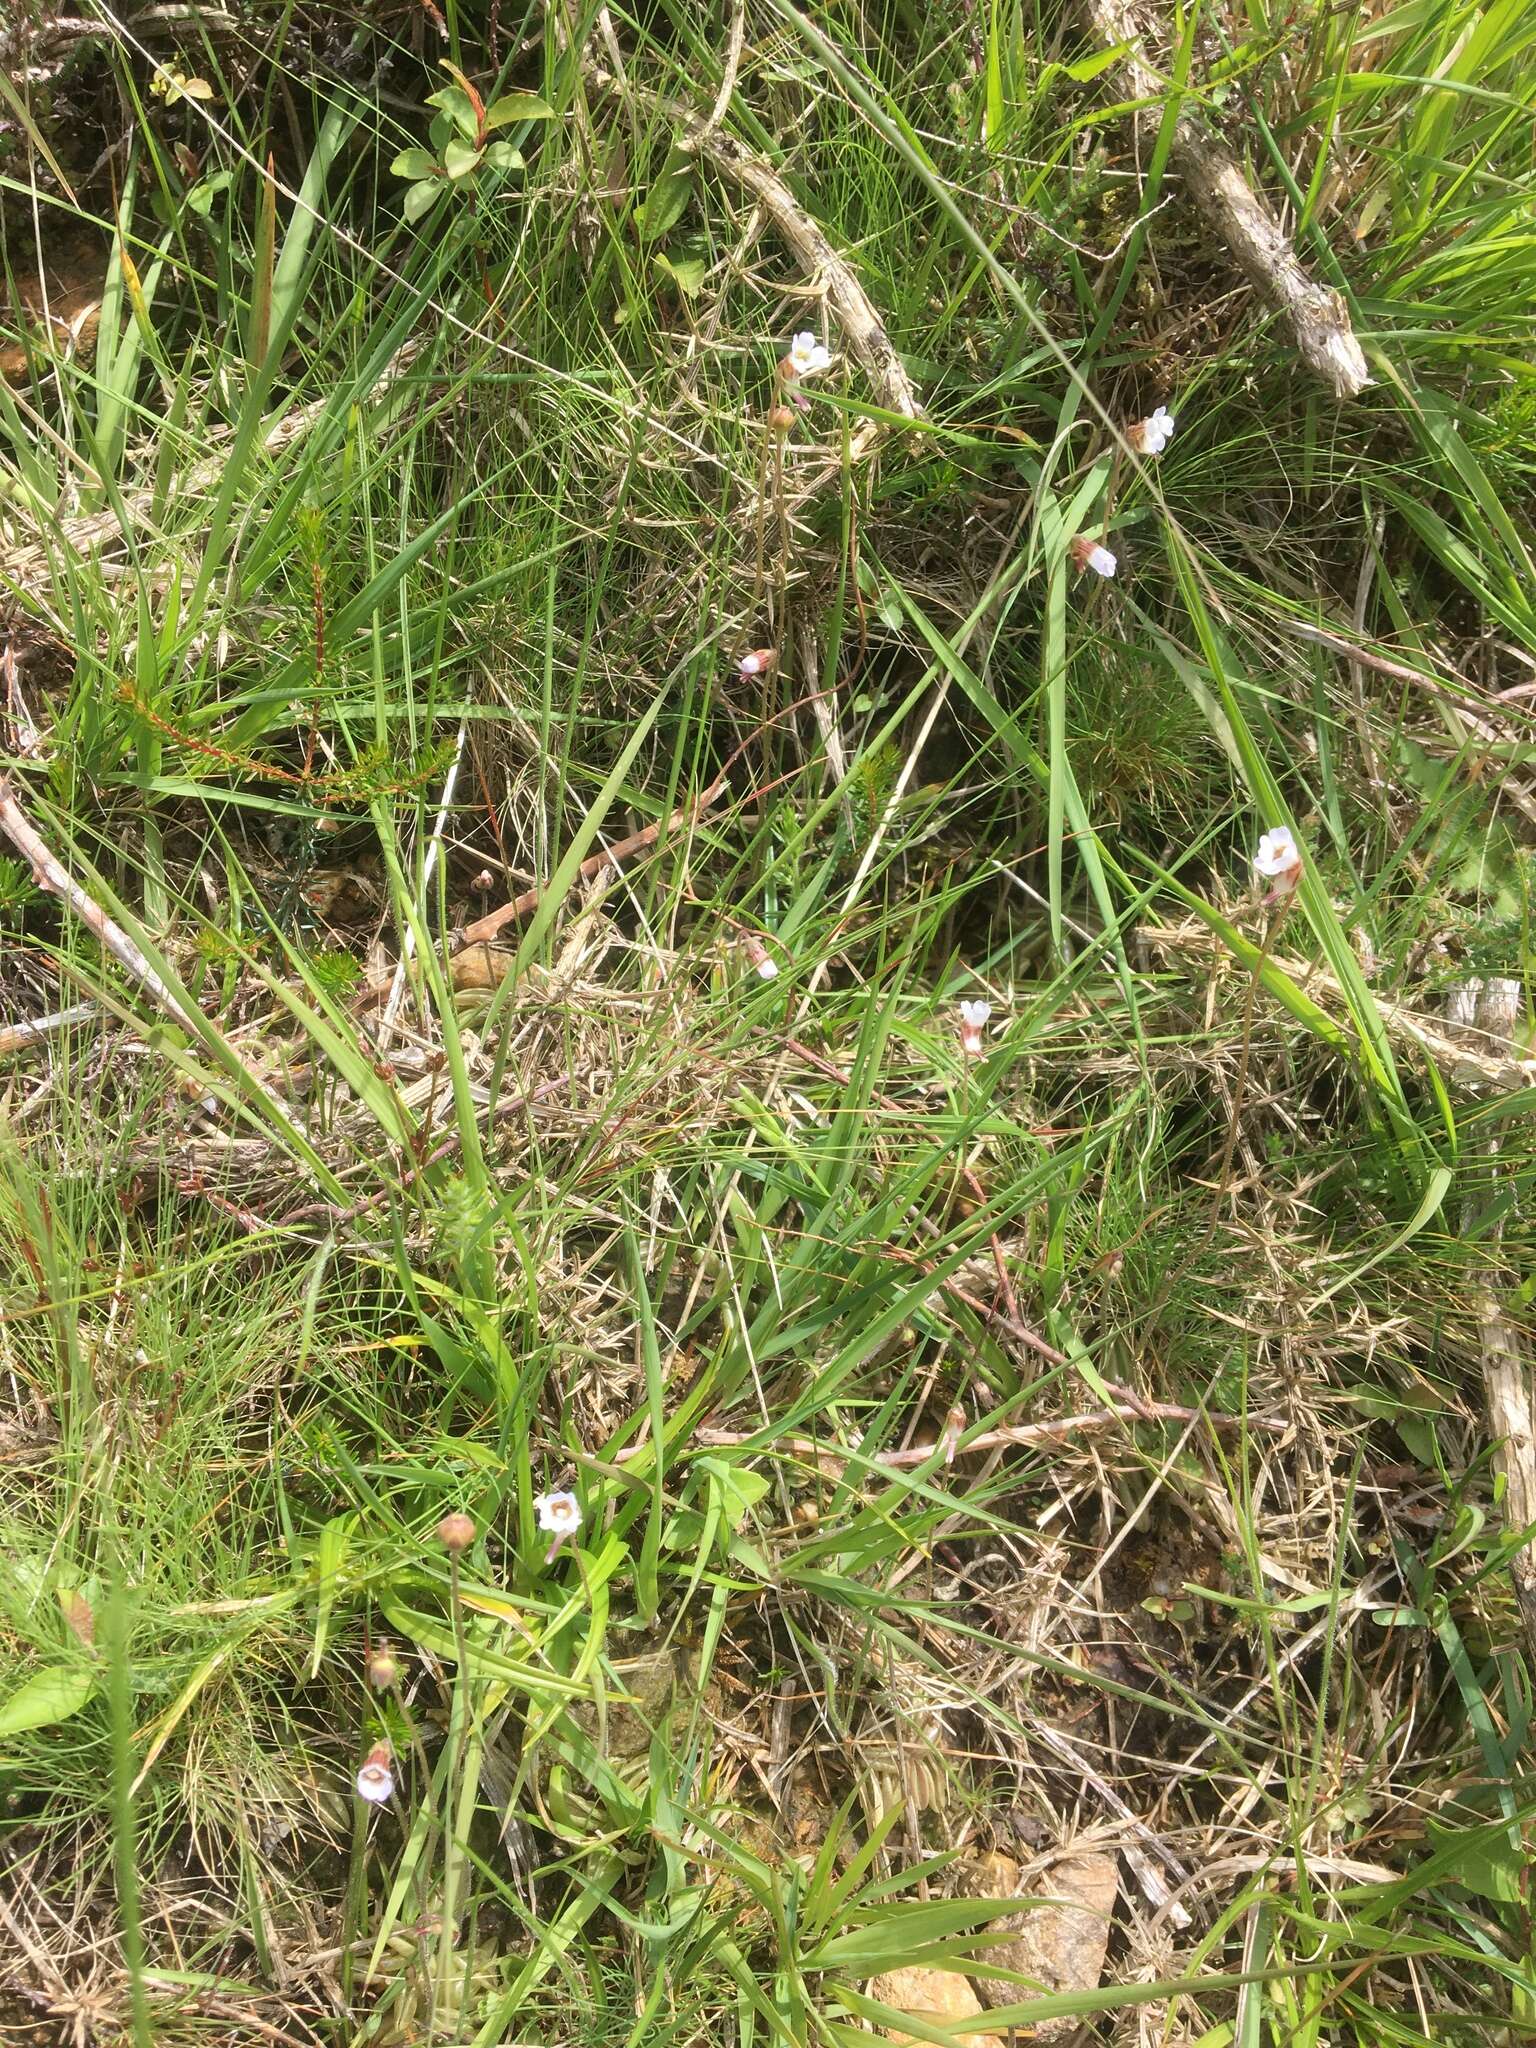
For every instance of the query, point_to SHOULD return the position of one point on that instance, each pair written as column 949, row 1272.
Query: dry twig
column 1489, row 1010
column 1241, row 221
column 49, row 873
column 1013, row 1435
column 21, row 1037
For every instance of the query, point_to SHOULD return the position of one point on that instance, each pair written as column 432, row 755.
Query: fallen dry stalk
column 33, row 1031
column 49, row 873
column 85, row 534
column 1473, row 1057
column 859, row 321
column 486, row 928
column 1489, row 1011
column 1241, row 221
column 851, row 306
column 1009, row 1436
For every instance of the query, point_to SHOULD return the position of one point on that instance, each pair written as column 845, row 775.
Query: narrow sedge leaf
column 259, row 335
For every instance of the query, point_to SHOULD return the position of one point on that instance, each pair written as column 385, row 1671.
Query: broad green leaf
column 906, row 1931
column 667, row 201
column 517, row 106
column 686, row 272
column 460, row 158
column 736, row 1490
column 414, row 163
column 421, row 199
column 459, row 108
column 1086, row 69
column 47, row 1697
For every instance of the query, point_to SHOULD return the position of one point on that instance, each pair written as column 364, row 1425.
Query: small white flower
column 376, row 1781
column 809, row 356
column 559, row 1514
column 757, row 661
column 1278, row 854
column 1089, row 554
column 973, row 1021
column 751, row 665
column 762, row 962
column 1152, row 435
column 950, row 1434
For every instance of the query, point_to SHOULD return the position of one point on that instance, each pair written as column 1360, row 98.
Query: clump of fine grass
column 1074, row 1447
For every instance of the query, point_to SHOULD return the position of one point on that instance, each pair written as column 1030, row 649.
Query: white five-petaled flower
column 559, row 1513
column 376, row 1781
column 807, row 356
column 1278, row 861
column 973, row 1021
column 559, row 1516
column 1152, row 435
column 1278, row 857
column 1090, row 554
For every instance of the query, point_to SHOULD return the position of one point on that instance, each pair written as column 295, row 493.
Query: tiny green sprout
column 17, row 889
column 462, row 144
column 334, row 972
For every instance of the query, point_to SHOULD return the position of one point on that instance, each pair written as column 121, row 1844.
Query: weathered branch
column 1240, row 219
column 851, row 306
column 50, row 873
column 1015, row 1435
column 33, row 1031
column 1488, row 1011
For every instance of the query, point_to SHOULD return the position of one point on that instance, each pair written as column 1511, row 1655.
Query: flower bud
column 456, row 1532
column 383, row 1669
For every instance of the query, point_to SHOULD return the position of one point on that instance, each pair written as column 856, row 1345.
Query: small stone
column 932, row 1995
column 1062, row 1944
